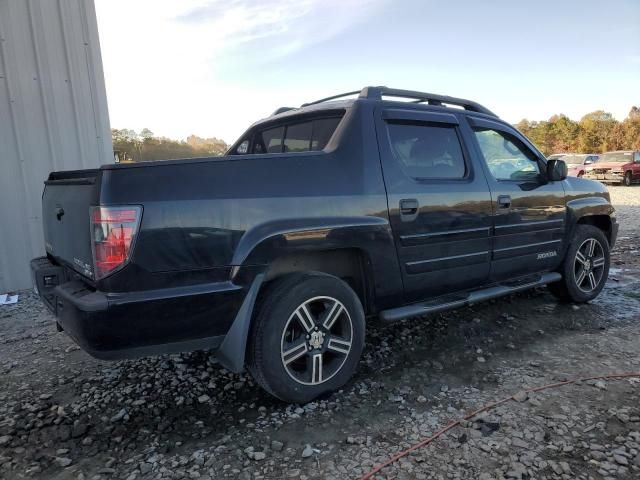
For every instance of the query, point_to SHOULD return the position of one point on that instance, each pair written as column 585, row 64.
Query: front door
column 529, row 212
column 439, row 202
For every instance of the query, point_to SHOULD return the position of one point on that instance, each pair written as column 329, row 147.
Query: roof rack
column 334, row 97
column 282, row 110
column 376, row 93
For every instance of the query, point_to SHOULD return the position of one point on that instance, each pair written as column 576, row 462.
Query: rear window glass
column 310, row 135
column 298, row 137
column 270, row 141
column 323, row 129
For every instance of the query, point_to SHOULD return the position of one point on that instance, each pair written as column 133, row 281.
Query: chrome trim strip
column 445, row 233
column 440, row 259
column 526, row 232
column 526, row 246
column 526, row 224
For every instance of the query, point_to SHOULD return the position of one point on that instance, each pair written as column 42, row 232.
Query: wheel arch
column 601, row 221
column 596, row 211
column 353, row 265
column 355, row 249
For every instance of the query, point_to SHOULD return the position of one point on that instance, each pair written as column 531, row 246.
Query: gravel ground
column 64, row 415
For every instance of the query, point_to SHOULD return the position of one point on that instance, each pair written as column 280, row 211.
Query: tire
column 298, row 357
column 627, row 181
column 588, row 253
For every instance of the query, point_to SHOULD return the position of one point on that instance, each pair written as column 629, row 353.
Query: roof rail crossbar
column 282, row 110
column 332, row 98
column 376, row 93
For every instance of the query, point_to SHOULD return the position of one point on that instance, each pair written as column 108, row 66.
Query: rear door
column 529, row 212
column 439, row 202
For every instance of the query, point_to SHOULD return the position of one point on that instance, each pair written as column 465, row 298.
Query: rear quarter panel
column 205, row 216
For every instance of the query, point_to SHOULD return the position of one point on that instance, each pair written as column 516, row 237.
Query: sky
column 213, row 67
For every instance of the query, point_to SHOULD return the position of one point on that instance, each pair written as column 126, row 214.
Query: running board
column 439, row 305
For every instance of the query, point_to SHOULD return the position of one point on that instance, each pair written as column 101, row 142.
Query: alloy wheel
column 588, row 266
column 316, row 340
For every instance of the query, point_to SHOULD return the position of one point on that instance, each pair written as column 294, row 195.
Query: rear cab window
column 296, row 136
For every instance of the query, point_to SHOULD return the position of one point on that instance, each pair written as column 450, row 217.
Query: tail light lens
column 113, row 233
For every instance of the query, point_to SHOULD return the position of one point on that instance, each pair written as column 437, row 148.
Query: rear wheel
column 585, row 267
column 307, row 337
column 627, row 181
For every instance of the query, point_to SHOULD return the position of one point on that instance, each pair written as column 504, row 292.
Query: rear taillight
column 113, row 233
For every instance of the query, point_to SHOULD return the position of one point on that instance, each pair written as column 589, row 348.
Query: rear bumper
column 126, row 325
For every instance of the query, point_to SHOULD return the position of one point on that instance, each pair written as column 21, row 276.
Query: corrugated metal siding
column 53, row 116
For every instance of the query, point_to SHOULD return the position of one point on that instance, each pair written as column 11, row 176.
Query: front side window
column 637, row 156
column 427, row 151
column 506, row 156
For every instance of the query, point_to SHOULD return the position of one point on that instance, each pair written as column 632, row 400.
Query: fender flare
column 263, row 244
column 585, row 207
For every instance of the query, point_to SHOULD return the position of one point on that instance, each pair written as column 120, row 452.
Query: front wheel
column 307, row 337
column 585, row 267
column 627, row 180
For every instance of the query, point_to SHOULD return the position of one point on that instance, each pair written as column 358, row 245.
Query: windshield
column 574, row 159
column 616, row 157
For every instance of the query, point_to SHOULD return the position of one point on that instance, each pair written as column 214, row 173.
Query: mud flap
column 232, row 351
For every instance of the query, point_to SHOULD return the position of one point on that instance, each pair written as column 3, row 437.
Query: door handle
column 408, row 209
column 504, row 201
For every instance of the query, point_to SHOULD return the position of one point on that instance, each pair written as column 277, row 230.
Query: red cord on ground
column 491, row 406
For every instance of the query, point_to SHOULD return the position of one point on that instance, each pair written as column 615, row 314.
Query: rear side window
column 323, row 129
column 298, row 137
column 310, row 135
column 269, row 141
column 427, row 151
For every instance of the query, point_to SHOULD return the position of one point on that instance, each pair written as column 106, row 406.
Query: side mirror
column 556, row 170
column 587, row 162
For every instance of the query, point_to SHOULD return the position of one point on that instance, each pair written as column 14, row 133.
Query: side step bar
column 418, row 309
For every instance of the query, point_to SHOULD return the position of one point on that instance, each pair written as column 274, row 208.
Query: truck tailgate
column 65, row 215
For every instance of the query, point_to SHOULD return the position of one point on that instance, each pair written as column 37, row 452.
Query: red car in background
column 622, row 167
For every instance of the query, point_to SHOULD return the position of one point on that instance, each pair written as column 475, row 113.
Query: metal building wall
column 53, row 116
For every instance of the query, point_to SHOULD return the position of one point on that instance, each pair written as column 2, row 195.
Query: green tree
column 631, row 127
column 563, row 132
column 596, row 131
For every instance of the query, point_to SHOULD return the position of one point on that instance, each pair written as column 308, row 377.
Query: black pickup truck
column 318, row 219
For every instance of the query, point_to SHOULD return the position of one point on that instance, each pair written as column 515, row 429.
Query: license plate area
column 46, row 277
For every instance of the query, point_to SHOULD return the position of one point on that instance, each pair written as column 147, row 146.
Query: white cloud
column 164, row 60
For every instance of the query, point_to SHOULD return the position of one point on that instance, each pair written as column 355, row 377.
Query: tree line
column 596, row 132
column 132, row 146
